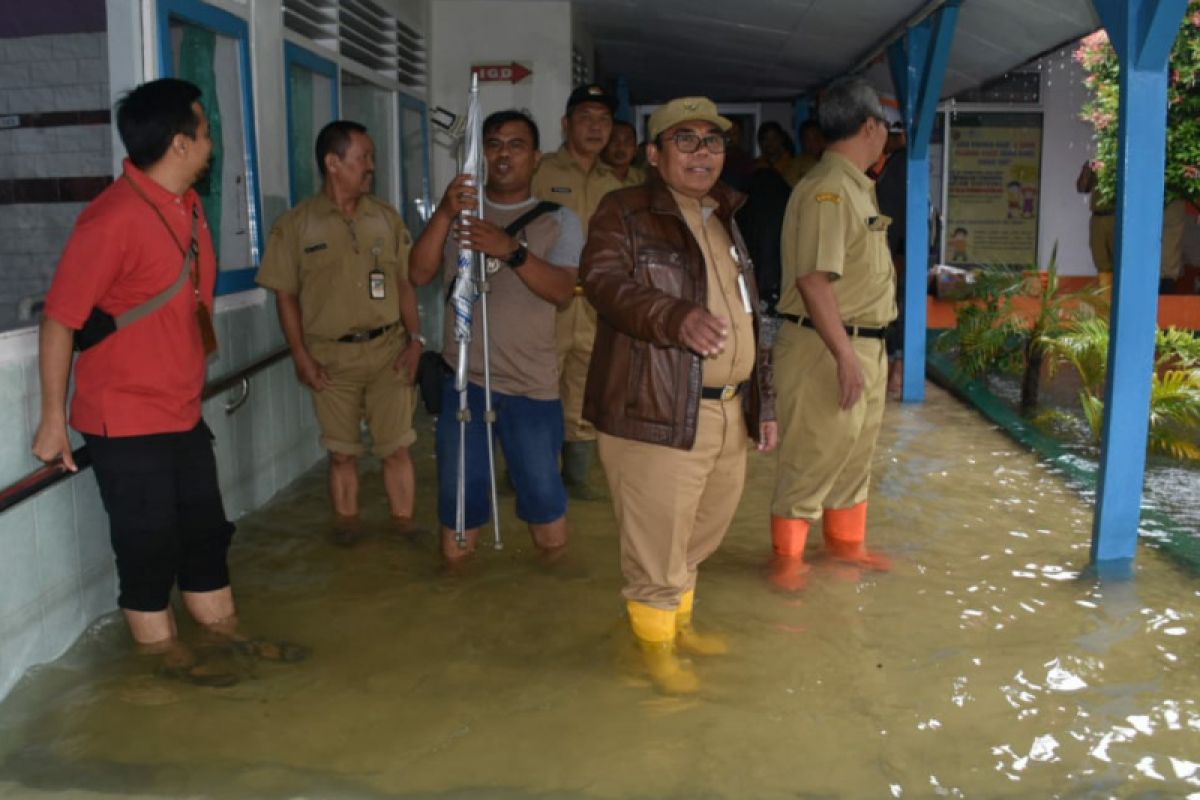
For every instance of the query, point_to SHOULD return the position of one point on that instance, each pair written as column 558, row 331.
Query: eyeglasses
column 688, row 142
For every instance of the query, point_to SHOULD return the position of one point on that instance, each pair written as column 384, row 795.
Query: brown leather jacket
column 643, row 271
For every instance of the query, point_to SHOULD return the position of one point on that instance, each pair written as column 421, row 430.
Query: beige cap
column 685, row 109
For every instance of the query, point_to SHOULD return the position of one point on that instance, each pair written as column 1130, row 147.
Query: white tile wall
column 43, row 74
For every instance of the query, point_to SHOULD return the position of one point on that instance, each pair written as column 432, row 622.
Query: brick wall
column 54, row 130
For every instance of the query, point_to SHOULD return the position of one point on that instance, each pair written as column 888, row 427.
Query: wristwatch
column 517, row 259
column 416, row 337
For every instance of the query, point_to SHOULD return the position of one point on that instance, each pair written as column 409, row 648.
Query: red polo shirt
column 145, row 378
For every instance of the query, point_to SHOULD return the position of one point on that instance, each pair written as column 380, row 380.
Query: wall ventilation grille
column 364, row 33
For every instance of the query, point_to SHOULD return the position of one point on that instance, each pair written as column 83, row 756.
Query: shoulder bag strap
column 543, row 207
column 189, row 261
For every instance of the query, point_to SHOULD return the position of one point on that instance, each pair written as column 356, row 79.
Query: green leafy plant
column 1174, row 389
column 1099, row 60
column 993, row 333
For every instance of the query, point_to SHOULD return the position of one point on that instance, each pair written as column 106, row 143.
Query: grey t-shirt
column 521, row 324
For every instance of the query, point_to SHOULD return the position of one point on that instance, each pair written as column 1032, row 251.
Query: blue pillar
column 801, row 111
column 1142, row 32
column 918, row 64
column 624, row 109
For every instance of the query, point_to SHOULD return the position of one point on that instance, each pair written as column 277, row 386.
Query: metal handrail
column 46, row 476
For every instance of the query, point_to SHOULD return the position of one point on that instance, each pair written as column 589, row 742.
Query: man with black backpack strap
column 133, row 292
column 531, row 249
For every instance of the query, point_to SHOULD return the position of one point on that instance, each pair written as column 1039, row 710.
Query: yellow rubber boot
column 788, row 537
column 846, row 537
column 655, row 632
column 688, row 638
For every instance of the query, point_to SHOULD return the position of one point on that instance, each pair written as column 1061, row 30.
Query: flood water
column 984, row 665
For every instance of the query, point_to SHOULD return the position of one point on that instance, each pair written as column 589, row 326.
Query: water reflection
column 989, row 663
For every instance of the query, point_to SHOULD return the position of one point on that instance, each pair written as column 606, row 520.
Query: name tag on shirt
column 560, row 189
column 315, row 248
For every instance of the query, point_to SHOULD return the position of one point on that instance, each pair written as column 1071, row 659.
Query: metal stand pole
column 489, row 413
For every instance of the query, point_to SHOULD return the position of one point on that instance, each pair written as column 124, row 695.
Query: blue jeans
column 531, row 436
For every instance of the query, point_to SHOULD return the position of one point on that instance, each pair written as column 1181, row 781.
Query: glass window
column 56, row 141
column 414, row 189
column 312, row 103
column 210, row 48
column 372, row 106
column 414, row 156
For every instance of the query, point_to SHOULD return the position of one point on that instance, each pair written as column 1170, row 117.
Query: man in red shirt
column 140, row 263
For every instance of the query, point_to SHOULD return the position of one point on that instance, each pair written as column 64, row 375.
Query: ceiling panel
column 765, row 49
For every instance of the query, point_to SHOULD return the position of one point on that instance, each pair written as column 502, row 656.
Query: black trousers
column 166, row 520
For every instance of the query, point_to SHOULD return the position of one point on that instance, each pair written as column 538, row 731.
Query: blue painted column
column 918, row 64
column 624, row 109
column 801, row 112
column 1142, row 32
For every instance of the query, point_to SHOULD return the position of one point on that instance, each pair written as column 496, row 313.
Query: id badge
column 208, row 334
column 376, row 282
column 745, row 293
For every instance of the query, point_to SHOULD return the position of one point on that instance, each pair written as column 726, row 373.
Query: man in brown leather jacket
column 677, row 384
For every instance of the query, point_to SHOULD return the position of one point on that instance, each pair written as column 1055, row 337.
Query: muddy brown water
column 986, row 664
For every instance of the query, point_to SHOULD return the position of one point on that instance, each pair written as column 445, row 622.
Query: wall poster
column 992, row 200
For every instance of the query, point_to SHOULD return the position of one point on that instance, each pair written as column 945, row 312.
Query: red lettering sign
column 501, row 73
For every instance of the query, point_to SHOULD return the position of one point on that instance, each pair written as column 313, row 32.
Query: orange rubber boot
column 846, row 538
column 787, row 569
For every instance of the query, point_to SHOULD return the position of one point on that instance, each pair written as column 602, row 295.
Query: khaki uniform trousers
column 1174, row 229
column 1102, row 238
column 1102, row 235
column 364, row 384
column 824, row 452
column 576, row 334
column 674, row 506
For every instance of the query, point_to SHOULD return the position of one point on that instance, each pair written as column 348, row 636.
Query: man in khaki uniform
column 338, row 263
column 838, row 293
column 575, row 177
column 676, row 386
column 622, row 152
column 1102, row 234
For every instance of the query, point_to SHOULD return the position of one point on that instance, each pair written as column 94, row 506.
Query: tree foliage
column 1099, row 60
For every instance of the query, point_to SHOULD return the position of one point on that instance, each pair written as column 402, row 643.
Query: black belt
column 852, row 330
column 726, row 392
column 366, row 336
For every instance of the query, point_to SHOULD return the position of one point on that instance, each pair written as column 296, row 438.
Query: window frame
column 298, row 55
column 410, row 103
column 196, row 12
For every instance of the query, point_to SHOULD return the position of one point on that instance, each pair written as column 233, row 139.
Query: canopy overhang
column 778, row 49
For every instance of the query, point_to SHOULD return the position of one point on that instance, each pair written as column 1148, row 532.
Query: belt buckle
column 728, row 392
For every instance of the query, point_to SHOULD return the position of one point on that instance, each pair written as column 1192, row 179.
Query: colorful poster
column 995, row 170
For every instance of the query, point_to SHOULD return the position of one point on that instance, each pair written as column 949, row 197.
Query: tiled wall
column 54, row 131
column 56, row 572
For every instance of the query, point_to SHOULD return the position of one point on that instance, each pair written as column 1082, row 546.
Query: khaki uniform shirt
column 833, row 224
column 560, row 179
column 326, row 259
column 635, row 177
column 734, row 363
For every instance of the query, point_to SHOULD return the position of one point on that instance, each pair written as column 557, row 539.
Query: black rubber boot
column 577, row 462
